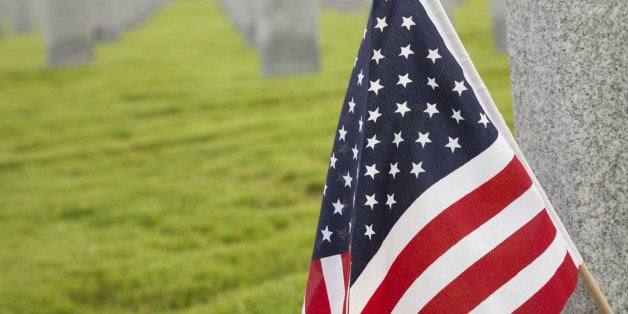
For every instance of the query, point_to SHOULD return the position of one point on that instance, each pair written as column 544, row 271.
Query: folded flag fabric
column 429, row 205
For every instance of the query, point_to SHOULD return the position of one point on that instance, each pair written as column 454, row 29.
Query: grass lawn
column 168, row 176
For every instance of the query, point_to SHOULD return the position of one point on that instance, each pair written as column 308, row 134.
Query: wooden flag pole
column 594, row 289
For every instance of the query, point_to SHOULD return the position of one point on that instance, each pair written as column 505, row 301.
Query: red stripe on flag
column 496, row 268
column 553, row 296
column 316, row 300
column 453, row 224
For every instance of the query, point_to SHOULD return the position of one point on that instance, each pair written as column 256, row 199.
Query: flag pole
column 594, row 289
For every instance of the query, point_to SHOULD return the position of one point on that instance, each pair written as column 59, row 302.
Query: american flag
column 428, row 205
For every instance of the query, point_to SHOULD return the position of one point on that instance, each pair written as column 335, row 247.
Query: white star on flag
column 433, row 55
column 381, row 23
column 375, row 87
column 342, row 133
column 484, row 120
column 347, row 179
column 326, row 234
column 391, row 200
column 424, row 138
column 371, row 171
column 406, row 52
column 373, row 115
column 431, row 109
column 351, row 104
column 453, row 144
column 377, row 55
column 398, row 139
column 459, row 87
column 369, row 231
column 456, row 115
column 431, row 82
column 417, row 169
column 402, row 108
column 338, row 206
column 394, row 169
column 370, row 201
column 407, row 22
column 372, row 142
column 404, row 80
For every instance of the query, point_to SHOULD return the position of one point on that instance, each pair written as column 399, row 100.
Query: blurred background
column 170, row 156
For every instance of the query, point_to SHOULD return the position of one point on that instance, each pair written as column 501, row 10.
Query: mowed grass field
column 170, row 177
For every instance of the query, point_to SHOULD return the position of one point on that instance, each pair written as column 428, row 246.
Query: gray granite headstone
column 67, row 33
column 345, row 5
column 500, row 38
column 22, row 16
column 287, row 32
column 569, row 80
column 243, row 16
column 104, row 20
column 120, row 8
column 4, row 8
column 450, row 7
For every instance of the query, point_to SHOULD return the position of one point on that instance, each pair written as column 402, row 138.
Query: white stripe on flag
column 334, row 282
column 426, row 207
column 469, row 250
column 526, row 283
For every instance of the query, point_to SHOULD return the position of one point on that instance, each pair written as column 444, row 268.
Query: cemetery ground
column 170, row 177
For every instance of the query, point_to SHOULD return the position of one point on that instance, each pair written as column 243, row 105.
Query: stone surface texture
column 569, row 78
column 67, row 33
column 287, row 36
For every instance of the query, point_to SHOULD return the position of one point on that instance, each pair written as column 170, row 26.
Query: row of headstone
column 284, row 31
column 70, row 27
column 345, row 5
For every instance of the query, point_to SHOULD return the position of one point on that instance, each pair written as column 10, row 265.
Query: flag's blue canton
column 409, row 119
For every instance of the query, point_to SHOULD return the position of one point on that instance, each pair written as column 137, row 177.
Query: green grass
column 168, row 176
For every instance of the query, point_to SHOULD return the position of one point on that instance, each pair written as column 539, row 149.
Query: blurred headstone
column 103, row 20
column 568, row 68
column 450, row 7
column 500, row 38
column 287, row 32
column 67, row 33
column 120, row 8
column 345, row 5
column 243, row 16
column 22, row 16
column 4, row 8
